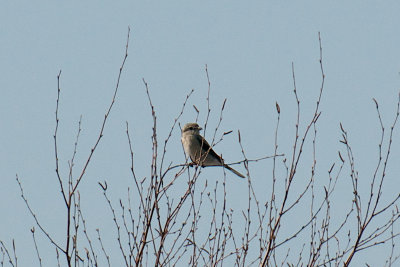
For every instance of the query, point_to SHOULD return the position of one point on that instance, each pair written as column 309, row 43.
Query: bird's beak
column 200, row 128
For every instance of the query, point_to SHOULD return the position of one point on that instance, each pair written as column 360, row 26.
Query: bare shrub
column 172, row 218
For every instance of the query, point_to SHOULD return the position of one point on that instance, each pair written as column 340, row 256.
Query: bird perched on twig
column 198, row 149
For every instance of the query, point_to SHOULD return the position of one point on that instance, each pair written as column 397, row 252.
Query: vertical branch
column 71, row 162
column 194, row 223
column 79, row 179
column 36, row 247
column 208, row 100
column 362, row 241
column 55, row 141
column 94, row 256
column 221, row 240
column 105, row 116
column 69, row 200
column 151, row 205
column 118, row 227
column 379, row 193
column 15, row 253
column 372, row 186
column 58, row 257
column 245, row 238
column 296, row 155
column 139, row 189
column 5, row 251
column 102, row 247
column 170, row 132
column 273, row 207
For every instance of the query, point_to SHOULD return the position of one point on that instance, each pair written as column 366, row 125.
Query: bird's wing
column 205, row 147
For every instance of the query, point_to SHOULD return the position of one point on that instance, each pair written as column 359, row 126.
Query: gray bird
column 198, row 149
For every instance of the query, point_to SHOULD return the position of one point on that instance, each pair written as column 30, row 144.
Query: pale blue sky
column 248, row 47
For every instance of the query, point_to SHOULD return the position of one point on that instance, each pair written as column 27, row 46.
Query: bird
column 198, row 149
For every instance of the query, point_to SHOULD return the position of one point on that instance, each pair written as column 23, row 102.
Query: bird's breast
column 186, row 141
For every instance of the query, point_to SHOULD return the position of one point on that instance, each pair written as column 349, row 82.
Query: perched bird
column 198, row 149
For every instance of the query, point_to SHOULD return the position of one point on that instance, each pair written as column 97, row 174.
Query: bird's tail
column 234, row 171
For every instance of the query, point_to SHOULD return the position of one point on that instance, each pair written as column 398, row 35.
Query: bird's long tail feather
column 234, row 171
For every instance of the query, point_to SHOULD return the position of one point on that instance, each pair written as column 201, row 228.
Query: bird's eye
column 191, row 128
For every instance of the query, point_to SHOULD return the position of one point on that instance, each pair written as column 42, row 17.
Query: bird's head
column 191, row 128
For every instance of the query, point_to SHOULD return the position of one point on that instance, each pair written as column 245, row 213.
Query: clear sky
column 249, row 47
